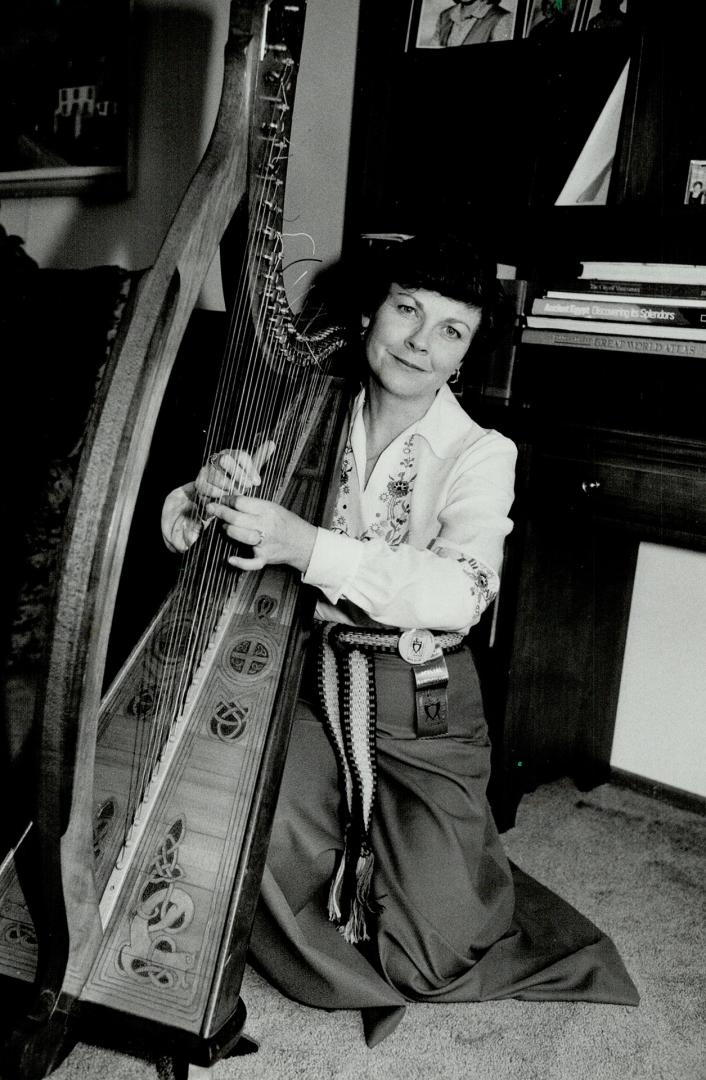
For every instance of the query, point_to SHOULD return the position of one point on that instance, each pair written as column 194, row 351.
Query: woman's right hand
column 229, row 472
column 182, row 518
column 232, row 472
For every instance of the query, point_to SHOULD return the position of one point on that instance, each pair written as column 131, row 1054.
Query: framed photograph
column 695, row 194
column 64, row 96
column 549, row 19
column 442, row 24
column 601, row 15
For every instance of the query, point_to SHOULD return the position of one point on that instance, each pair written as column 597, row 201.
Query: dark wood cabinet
column 588, row 494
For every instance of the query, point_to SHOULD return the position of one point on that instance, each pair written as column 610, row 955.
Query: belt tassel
column 347, row 692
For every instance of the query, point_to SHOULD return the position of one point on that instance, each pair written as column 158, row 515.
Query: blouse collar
column 443, row 425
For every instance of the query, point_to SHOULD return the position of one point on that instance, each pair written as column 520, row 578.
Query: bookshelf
column 481, row 136
column 486, row 136
column 612, row 445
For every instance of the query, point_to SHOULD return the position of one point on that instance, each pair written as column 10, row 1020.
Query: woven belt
column 424, row 652
column 414, row 646
column 346, row 683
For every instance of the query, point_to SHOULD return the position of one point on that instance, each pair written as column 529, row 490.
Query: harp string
column 266, row 374
column 205, row 578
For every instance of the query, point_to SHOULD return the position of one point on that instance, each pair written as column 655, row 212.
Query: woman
column 386, row 881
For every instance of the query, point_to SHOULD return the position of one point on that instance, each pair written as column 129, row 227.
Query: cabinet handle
column 588, row 487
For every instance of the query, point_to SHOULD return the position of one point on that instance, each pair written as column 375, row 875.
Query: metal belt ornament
column 431, row 679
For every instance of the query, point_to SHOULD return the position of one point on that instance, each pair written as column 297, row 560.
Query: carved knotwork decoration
column 141, row 706
column 229, row 721
column 20, row 935
column 164, row 910
column 266, row 606
column 249, row 656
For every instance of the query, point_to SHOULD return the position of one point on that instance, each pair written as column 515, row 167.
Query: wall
column 178, row 71
column 660, row 727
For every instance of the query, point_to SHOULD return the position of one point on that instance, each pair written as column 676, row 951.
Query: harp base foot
column 171, row 1068
column 231, row 1041
column 40, row 1041
column 178, row 1068
column 245, row 1045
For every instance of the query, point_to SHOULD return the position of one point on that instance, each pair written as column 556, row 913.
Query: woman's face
column 416, row 341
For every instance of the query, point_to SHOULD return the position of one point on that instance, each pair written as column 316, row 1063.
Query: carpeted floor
column 633, row 864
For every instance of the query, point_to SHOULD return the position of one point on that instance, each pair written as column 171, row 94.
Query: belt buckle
column 416, row 646
column 431, row 678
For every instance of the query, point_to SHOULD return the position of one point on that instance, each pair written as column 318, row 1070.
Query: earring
column 453, row 380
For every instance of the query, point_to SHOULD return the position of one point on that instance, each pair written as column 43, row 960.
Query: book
column 629, row 311
column 615, row 343
column 632, row 271
column 625, row 290
column 595, row 326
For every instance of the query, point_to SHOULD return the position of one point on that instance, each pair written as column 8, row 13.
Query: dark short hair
column 450, row 264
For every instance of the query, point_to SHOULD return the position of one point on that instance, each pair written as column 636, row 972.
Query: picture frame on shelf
column 441, row 24
column 695, row 193
column 65, row 92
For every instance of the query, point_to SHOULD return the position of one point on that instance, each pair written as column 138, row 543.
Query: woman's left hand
column 276, row 535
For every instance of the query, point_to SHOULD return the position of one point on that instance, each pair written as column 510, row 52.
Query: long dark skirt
column 458, row 922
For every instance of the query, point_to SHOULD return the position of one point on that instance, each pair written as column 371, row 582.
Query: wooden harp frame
column 114, row 456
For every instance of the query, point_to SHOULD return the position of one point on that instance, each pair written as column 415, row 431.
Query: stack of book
column 655, row 308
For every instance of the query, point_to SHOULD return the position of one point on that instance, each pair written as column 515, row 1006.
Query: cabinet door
column 569, row 637
column 591, row 496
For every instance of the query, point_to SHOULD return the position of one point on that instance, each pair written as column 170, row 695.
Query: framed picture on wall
column 64, row 97
column 549, row 19
column 442, row 24
column 601, row 15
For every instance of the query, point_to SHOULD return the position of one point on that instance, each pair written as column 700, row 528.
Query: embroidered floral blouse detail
column 483, row 581
column 339, row 522
column 421, row 544
column 392, row 523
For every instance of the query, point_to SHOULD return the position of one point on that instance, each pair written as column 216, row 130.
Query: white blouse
column 421, row 544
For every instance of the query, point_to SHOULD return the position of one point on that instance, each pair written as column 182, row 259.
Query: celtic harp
column 155, row 790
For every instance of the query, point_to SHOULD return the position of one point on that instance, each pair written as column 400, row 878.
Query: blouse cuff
column 333, row 563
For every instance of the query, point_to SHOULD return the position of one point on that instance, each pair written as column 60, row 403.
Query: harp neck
column 270, row 133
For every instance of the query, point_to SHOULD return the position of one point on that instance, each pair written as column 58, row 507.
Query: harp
column 132, row 892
